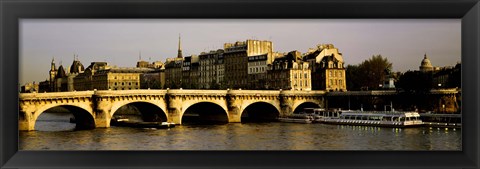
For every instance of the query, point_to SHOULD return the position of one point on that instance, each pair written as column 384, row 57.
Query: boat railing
column 378, row 112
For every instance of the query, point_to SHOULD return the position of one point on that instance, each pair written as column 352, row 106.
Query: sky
column 122, row 42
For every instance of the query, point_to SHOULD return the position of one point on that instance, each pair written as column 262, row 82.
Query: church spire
column 52, row 65
column 179, row 55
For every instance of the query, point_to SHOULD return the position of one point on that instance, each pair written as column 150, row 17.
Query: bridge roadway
column 96, row 108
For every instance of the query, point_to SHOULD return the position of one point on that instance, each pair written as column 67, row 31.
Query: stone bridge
column 96, row 108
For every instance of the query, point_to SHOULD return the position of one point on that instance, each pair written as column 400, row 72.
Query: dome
column 76, row 67
column 426, row 65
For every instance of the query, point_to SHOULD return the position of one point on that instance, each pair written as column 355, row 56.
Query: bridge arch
column 83, row 114
column 145, row 110
column 204, row 112
column 300, row 105
column 260, row 111
column 299, row 108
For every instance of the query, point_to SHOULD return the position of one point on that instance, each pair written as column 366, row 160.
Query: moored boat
column 369, row 118
column 138, row 124
column 297, row 118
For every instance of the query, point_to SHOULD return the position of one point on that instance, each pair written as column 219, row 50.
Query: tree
column 375, row 70
column 415, row 82
column 369, row 74
column 353, row 77
column 455, row 78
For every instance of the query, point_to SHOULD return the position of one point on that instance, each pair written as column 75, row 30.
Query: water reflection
column 237, row 136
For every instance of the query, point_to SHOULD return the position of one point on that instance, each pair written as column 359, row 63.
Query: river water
column 54, row 132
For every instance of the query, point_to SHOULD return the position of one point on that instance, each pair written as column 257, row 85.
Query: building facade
column 257, row 71
column 62, row 80
column 190, row 72
column 173, row 73
column 118, row 78
column 211, row 69
column 236, row 60
column 84, row 81
column 289, row 72
column 327, row 68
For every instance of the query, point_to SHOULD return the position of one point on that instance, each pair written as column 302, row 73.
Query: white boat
column 297, row 118
column 369, row 118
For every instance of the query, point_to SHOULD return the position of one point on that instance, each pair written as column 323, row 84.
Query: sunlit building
column 289, row 72
column 63, row 80
column 173, row 72
column 211, row 69
column 118, row 78
column 327, row 68
column 237, row 58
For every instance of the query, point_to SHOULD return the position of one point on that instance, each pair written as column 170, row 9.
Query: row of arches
column 198, row 113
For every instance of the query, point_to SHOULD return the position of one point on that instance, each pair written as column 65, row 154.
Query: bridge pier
column 285, row 106
column 102, row 113
column 233, row 108
column 25, row 125
column 174, row 115
column 102, row 121
column 234, row 116
column 26, row 121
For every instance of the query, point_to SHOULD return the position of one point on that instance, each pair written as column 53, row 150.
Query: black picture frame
column 13, row 10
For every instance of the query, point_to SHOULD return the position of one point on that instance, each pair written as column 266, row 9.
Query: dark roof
column 312, row 55
column 76, row 67
column 61, row 72
column 97, row 65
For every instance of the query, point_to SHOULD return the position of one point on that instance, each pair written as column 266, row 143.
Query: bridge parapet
column 254, row 92
column 55, row 95
column 363, row 93
column 197, row 92
column 129, row 92
column 303, row 93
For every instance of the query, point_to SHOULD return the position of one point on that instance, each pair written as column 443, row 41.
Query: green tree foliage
column 369, row 74
column 415, row 82
column 353, row 77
